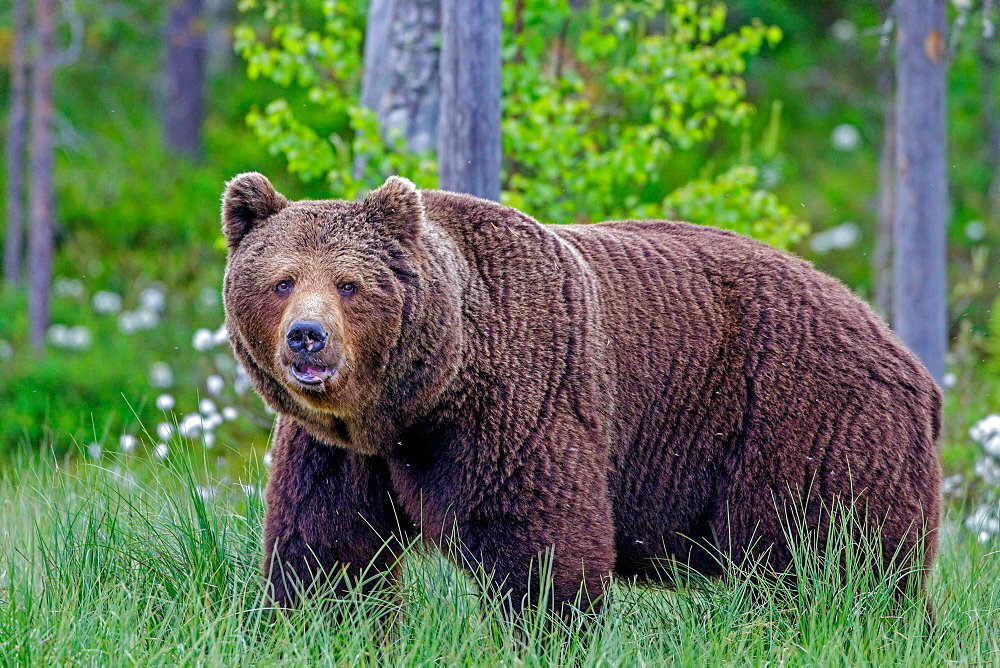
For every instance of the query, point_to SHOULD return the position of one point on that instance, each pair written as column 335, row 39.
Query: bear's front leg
column 550, row 527
column 330, row 518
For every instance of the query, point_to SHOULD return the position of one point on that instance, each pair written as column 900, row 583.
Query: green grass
column 108, row 566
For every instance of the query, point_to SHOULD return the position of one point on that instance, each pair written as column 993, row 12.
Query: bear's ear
column 249, row 198
column 397, row 207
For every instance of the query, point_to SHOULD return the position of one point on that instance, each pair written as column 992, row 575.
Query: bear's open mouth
column 309, row 373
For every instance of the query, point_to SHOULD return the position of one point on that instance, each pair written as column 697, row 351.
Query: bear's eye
column 346, row 289
column 283, row 287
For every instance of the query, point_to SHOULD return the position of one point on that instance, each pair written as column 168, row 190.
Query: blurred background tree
column 756, row 115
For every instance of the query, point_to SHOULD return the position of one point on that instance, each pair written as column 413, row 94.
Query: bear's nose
column 306, row 336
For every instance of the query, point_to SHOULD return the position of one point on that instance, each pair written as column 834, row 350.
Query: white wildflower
column 105, row 301
column 127, row 442
column 94, row 450
column 146, row 319
column 268, row 458
column 988, row 469
column 975, row 230
column 208, row 297
column 845, row 137
column 229, row 413
column 203, row 339
column 208, row 439
column 153, row 298
column 165, row 402
column 214, row 384
column 985, row 520
column 67, row 287
column 844, row 30
column 58, row 335
column 161, row 451
column 206, row 406
column 221, row 335
column 986, row 432
column 128, row 322
column 838, row 237
column 78, row 338
column 225, row 363
column 211, row 421
column 190, row 426
column 161, row 375
column 952, row 485
column 164, row 431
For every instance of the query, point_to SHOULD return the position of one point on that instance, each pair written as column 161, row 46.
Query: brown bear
column 610, row 395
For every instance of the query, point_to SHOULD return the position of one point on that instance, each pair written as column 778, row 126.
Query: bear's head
column 327, row 307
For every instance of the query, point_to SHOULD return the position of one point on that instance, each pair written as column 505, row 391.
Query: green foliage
column 593, row 124
column 330, row 142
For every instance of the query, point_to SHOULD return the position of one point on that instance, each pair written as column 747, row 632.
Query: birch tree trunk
column 919, row 281
column 469, row 131
column 184, row 78
column 41, row 221
column 401, row 82
column 17, row 127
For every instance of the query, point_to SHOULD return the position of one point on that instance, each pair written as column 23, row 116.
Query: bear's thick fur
column 616, row 393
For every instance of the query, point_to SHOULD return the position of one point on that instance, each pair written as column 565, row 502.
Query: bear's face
column 315, row 293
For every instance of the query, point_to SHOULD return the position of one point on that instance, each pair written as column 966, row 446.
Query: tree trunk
column 919, row 285
column 401, row 82
column 184, row 78
column 17, row 125
column 469, row 130
column 41, row 205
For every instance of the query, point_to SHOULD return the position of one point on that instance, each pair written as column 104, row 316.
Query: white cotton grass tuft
column 161, row 451
column 214, row 384
column 229, row 413
column 839, row 237
column 6, row 350
column 203, row 339
column 127, row 443
column 206, row 406
column 165, row 402
column 190, row 426
column 211, row 421
column 208, row 297
column 845, row 137
column 77, row 337
column 268, row 459
column 844, row 30
column 68, row 287
column 94, row 450
column 153, row 298
column 105, row 301
column 221, row 336
column 986, row 432
column 208, row 439
column 164, row 431
column 161, row 375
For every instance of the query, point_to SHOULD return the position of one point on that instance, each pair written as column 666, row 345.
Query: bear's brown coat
column 617, row 393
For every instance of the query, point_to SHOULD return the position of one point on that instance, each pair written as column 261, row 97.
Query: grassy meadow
column 159, row 564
